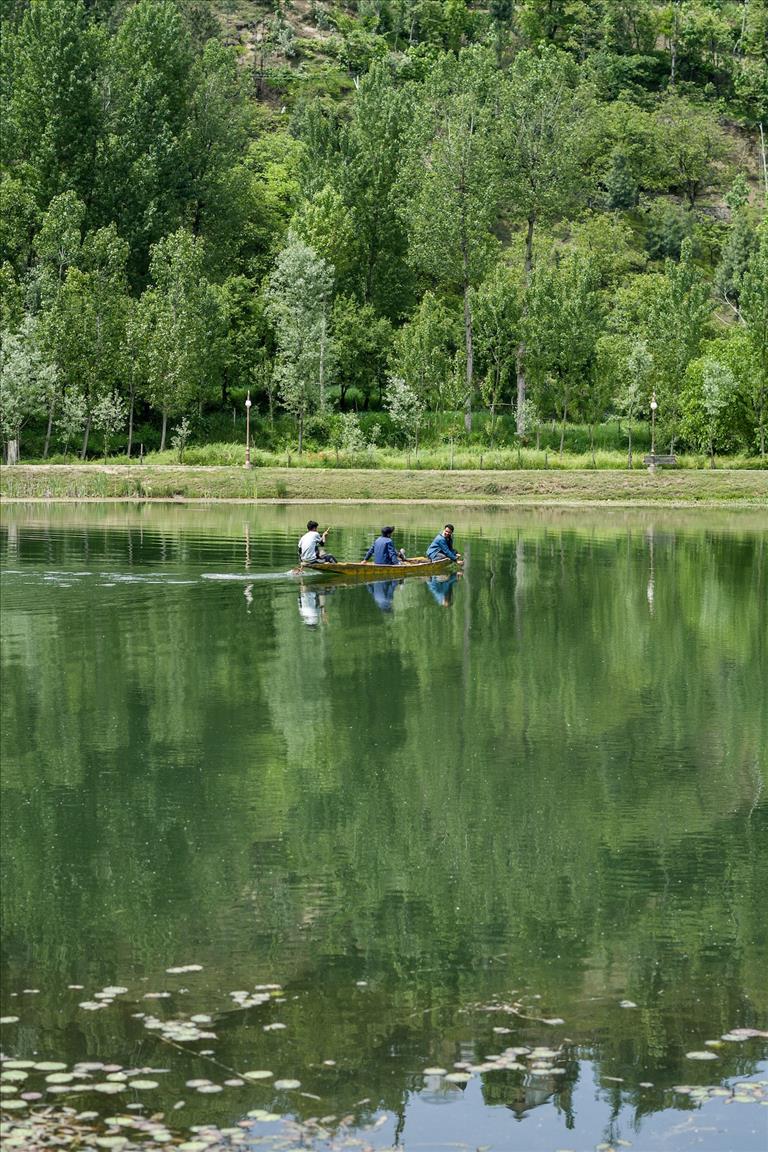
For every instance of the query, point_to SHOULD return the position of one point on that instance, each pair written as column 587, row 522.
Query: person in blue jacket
column 441, row 547
column 383, row 550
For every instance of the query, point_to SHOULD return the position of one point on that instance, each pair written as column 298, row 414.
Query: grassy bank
column 168, row 482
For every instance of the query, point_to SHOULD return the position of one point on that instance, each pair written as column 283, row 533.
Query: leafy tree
column 498, row 313
column 670, row 311
column 424, row 350
column 85, row 324
column 754, row 315
column 19, row 221
column 740, row 244
column 562, row 328
column 694, row 144
column 371, row 147
column 298, row 305
column 362, row 342
column 26, row 379
column 626, row 365
column 180, row 437
column 144, row 169
column 542, row 109
column 180, row 318
column 53, row 115
column 453, row 188
column 58, row 244
column 707, row 405
column 407, row 410
column 326, row 224
column 216, row 134
column 71, row 416
column 108, row 416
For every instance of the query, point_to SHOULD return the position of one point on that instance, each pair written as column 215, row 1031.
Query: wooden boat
column 367, row 570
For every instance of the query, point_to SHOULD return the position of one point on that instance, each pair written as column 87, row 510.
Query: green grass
column 689, row 486
column 472, row 458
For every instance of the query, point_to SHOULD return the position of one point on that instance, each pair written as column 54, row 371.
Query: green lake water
column 446, row 818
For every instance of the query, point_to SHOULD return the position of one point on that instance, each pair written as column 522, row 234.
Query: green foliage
column 430, row 154
column 298, row 304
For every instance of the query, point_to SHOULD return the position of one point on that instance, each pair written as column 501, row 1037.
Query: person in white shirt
column 310, row 544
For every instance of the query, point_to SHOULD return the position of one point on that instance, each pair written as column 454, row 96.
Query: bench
column 654, row 462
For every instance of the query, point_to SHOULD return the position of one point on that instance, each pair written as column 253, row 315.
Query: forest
column 387, row 223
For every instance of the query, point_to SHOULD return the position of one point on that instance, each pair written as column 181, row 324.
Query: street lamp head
column 654, row 405
column 248, row 400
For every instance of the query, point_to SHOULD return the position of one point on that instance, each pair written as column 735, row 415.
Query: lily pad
column 285, row 1085
column 258, row 1074
column 50, row 1066
column 458, row 1077
column 143, row 1085
column 9, row 1019
column 60, row 1078
column 700, row 1056
column 435, row 1071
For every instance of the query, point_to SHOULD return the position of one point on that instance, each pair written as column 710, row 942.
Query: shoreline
column 727, row 489
column 207, row 502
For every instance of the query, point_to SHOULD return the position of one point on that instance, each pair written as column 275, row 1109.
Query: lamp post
column 248, row 403
column 654, row 406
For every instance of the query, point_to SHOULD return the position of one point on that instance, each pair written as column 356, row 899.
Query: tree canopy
column 498, row 200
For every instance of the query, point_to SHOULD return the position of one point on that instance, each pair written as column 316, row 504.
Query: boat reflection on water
column 312, row 597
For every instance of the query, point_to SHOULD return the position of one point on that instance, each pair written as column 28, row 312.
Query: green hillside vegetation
column 396, row 225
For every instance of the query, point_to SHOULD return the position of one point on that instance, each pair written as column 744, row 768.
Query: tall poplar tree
column 451, row 187
column 542, row 107
column 53, row 117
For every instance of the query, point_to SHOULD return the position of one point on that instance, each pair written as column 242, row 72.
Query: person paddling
column 310, row 545
column 383, row 550
column 442, row 548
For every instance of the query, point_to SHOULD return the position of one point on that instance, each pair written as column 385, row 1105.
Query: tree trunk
column 470, row 356
column 86, row 434
column 322, row 366
column 562, row 427
column 629, row 452
column 301, row 434
column 165, row 428
column 49, row 428
column 520, row 358
column 673, row 42
column 130, row 425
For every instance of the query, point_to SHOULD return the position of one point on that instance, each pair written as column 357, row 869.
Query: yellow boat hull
column 366, row 570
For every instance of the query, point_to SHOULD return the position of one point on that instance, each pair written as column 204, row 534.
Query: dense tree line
column 543, row 210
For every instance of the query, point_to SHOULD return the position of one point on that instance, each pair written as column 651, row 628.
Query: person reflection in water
column 312, row 607
column 383, row 592
column 442, row 587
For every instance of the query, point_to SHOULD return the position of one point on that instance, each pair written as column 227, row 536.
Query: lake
column 511, row 827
